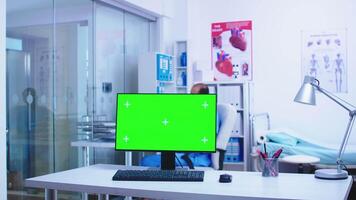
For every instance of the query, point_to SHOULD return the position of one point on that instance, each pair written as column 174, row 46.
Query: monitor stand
column 168, row 160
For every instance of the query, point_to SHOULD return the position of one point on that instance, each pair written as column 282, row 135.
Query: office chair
column 227, row 116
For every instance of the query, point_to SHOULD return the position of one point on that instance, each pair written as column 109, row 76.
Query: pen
column 277, row 153
column 264, row 156
column 265, row 147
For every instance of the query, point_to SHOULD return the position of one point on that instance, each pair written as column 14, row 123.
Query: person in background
column 186, row 159
column 200, row 88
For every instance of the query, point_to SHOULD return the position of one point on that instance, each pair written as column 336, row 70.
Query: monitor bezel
column 162, row 150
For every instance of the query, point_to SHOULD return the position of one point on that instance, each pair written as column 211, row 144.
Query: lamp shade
column 306, row 93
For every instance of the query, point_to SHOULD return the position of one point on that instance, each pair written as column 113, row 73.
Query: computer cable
column 186, row 158
column 178, row 161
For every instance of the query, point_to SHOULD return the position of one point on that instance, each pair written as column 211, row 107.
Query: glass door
column 137, row 31
column 49, row 87
column 66, row 60
column 29, row 95
column 109, row 56
column 120, row 38
column 30, row 107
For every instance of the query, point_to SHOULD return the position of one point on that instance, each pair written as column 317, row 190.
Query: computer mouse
column 225, row 178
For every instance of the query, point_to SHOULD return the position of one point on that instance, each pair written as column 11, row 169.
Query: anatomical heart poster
column 324, row 57
column 231, row 50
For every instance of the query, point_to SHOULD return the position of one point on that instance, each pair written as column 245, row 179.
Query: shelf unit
column 236, row 94
column 179, row 48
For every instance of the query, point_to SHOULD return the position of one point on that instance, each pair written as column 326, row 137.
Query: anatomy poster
column 232, row 50
column 324, row 57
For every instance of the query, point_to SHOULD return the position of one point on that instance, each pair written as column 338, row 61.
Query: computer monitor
column 167, row 123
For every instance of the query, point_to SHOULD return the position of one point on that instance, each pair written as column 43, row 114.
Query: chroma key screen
column 166, row 122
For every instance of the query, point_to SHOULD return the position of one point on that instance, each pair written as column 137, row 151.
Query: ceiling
column 21, row 5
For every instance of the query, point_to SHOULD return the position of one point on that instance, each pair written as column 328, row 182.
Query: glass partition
column 66, row 60
column 110, row 69
column 73, row 78
column 30, row 96
column 49, row 84
column 136, row 43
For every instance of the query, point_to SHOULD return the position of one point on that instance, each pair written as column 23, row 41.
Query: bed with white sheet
column 294, row 143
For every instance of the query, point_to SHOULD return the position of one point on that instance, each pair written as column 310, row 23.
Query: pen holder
column 269, row 167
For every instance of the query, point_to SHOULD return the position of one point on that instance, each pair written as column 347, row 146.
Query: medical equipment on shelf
column 155, row 73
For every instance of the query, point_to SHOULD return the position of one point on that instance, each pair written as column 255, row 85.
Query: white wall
column 2, row 102
column 155, row 6
column 174, row 24
column 179, row 19
column 277, row 26
column 172, row 20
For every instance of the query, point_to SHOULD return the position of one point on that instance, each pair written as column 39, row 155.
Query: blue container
column 184, row 78
column 234, row 151
column 183, row 59
column 241, row 150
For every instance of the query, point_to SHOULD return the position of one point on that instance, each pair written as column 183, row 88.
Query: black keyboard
column 159, row 175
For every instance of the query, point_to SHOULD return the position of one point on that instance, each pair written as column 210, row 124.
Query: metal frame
column 253, row 125
column 3, row 131
column 253, row 140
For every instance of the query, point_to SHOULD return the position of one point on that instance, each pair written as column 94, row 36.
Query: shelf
column 181, row 87
column 236, row 94
column 236, row 136
column 166, row 82
column 181, row 68
column 12, row 192
column 234, row 163
column 224, row 82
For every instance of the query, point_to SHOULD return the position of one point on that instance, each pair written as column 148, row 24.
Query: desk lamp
column 306, row 95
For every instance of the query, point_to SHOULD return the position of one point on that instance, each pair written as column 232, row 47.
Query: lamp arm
column 352, row 114
column 344, row 141
column 326, row 93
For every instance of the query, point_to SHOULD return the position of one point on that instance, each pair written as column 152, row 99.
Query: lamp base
column 331, row 174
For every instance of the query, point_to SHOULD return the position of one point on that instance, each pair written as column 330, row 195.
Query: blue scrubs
column 198, row 159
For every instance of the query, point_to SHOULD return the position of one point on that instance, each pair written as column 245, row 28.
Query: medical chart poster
column 324, row 57
column 231, row 50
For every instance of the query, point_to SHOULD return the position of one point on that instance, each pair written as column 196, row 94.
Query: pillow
column 282, row 138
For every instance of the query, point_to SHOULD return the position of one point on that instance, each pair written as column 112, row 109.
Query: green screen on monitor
column 166, row 122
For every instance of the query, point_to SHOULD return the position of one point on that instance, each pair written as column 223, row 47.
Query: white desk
column 96, row 179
